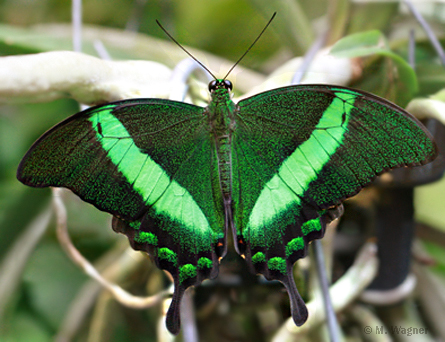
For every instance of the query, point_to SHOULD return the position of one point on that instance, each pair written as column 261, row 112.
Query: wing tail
column 173, row 320
column 298, row 308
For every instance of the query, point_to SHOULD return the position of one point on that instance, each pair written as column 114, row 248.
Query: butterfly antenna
column 251, row 46
column 183, row 49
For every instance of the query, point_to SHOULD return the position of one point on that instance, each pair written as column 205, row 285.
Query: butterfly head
column 220, row 84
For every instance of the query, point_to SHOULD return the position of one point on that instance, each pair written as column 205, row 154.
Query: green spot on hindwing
column 310, row 226
column 168, row 255
column 277, row 264
column 135, row 224
column 187, row 271
column 294, row 245
column 258, row 257
column 146, row 237
column 204, row 263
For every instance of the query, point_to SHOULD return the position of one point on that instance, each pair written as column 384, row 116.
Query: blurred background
column 45, row 297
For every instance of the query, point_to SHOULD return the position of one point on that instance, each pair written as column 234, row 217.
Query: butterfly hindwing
column 151, row 164
column 298, row 152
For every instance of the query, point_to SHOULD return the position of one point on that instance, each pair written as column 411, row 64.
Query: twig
column 18, row 255
column 309, row 57
column 163, row 335
column 368, row 323
column 322, row 277
column 101, row 50
column 188, row 318
column 76, row 18
column 59, row 74
column 343, row 292
column 431, row 296
column 179, row 76
column 79, row 309
column 412, row 49
column 114, row 265
column 137, row 12
column 119, row 294
column 429, row 32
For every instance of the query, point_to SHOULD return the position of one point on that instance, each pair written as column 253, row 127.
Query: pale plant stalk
column 116, row 266
column 17, row 257
column 343, row 292
column 368, row 323
column 48, row 76
column 118, row 292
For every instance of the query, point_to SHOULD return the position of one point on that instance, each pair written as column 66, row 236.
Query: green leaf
column 360, row 44
column 397, row 71
column 24, row 328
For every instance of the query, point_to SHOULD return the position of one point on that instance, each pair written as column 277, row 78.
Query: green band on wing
column 167, row 197
column 168, row 255
column 258, row 257
column 296, row 173
column 294, row 245
column 187, row 271
column 277, row 264
column 146, row 237
column 141, row 171
column 205, row 263
column 310, row 226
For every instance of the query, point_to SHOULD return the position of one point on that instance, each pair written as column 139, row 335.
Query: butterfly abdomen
column 223, row 150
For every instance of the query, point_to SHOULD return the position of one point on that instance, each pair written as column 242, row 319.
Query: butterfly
column 273, row 169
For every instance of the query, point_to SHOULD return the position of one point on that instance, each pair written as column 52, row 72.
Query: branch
column 343, row 292
column 118, row 292
column 52, row 75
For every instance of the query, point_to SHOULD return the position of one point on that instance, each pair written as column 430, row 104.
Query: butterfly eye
column 219, row 84
column 213, row 85
column 228, row 85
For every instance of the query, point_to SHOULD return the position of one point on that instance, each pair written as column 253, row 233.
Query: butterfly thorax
column 221, row 120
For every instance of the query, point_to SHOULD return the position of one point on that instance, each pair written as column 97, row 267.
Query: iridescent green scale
column 272, row 169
